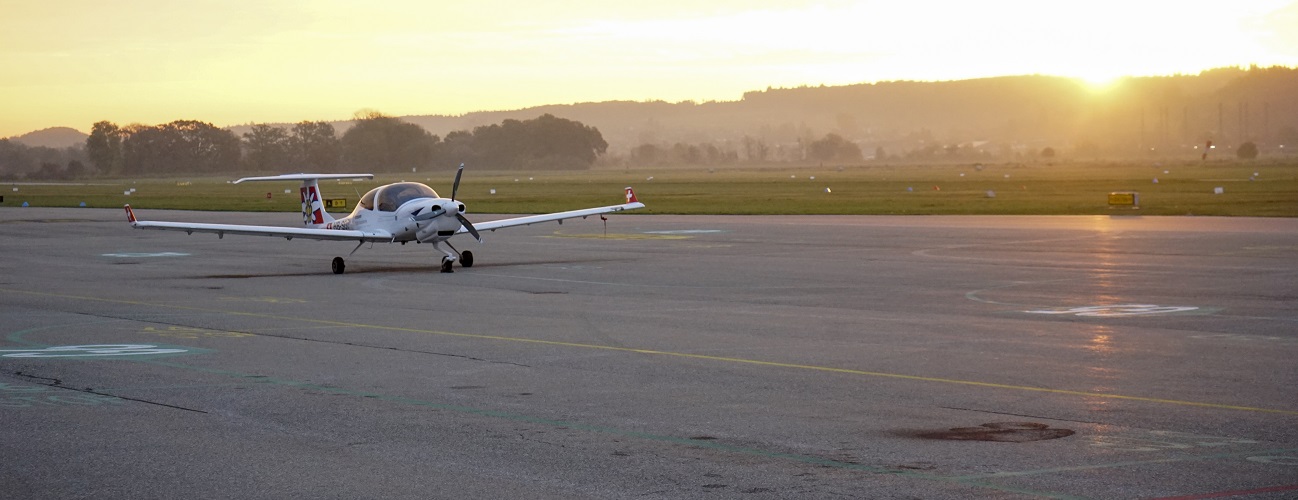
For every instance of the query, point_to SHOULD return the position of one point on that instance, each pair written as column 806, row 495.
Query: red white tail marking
column 630, row 195
column 130, row 214
column 312, row 207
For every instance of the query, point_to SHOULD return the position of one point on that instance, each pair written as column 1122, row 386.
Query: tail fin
column 630, row 195
column 313, row 212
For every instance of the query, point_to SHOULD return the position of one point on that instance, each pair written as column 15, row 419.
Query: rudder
column 313, row 212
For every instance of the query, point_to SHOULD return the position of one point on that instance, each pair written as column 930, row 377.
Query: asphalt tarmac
column 660, row 357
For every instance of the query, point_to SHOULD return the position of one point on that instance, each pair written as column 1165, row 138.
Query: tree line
column 830, row 148
column 40, row 163
column 375, row 143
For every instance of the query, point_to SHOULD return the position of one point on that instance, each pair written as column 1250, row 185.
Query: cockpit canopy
column 388, row 198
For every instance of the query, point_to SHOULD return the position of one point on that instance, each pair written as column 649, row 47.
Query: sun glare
column 1099, row 82
column 519, row 54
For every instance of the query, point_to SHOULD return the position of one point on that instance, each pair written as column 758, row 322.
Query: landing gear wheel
column 446, row 266
column 338, row 265
column 466, row 259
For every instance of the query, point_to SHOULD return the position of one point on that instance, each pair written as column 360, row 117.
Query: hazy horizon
column 258, row 62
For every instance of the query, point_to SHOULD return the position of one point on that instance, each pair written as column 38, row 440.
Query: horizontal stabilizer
column 305, row 177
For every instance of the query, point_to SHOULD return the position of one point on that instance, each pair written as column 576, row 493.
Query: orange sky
column 240, row 61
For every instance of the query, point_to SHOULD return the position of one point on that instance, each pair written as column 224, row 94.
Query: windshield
column 394, row 195
column 367, row 201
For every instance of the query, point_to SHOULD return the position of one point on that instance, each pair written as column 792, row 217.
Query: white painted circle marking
column 73, row 351
column 1117, row 310
column 145, row 254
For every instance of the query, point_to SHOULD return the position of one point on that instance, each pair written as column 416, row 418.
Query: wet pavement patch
column 1009, row 432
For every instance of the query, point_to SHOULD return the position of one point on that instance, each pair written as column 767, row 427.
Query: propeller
column 469, row 225
column 455, row 188
column 459, row 213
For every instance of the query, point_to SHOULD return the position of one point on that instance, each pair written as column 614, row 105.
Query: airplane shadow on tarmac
column 427, row 269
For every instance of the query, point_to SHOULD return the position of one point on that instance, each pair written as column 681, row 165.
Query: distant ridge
column 53, row 137
column 999, row 115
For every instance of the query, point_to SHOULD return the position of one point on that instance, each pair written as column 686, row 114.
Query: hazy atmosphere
column 707, row 250
column 241, row 62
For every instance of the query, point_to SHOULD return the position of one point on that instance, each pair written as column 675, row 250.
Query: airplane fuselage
column 408, row 211
column 401, row 223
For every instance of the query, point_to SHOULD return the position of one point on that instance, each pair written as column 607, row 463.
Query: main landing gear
column 465, row 258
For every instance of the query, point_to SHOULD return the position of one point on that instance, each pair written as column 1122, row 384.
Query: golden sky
column 74, row 62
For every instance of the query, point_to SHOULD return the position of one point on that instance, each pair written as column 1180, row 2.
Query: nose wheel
column 466, row 260
column 338, row 265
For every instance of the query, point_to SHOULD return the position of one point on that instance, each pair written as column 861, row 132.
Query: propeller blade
column 469, row 225
column 455, row 188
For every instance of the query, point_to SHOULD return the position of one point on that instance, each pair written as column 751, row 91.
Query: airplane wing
column 631, row 204
column 283, row 232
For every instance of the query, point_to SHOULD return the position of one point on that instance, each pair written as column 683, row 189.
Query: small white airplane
column 392, row 213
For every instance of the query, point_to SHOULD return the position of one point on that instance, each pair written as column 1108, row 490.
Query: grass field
column 1268, row 189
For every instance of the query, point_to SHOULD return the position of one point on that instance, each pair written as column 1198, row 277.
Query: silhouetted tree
column 315, row 147
column 14, row 158
column 75, row 169
column 18, row 159
column 49, row 172
column 546, row 142
column 182, row 146
column 646, row 154
column 384, row 143
column 104, row 146
column 1247, row 151
column 266, row 148
column 457, row 148
column 688, row 154
column 833, row 147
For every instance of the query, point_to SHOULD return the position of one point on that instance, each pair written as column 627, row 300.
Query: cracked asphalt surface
column 676, row 357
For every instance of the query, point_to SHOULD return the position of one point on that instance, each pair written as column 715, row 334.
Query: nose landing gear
column 465, row 258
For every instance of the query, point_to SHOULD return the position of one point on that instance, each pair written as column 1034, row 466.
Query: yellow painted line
column 775, row 364
column 619, row 236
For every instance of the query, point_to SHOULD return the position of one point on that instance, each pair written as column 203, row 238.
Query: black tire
column 466, row 259
column 446, row 266
column 338, row 265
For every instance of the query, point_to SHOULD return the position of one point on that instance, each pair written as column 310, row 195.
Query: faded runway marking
column 754, row 362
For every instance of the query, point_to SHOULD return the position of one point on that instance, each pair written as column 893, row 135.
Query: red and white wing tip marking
column 630, row 195
column 130, row 214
